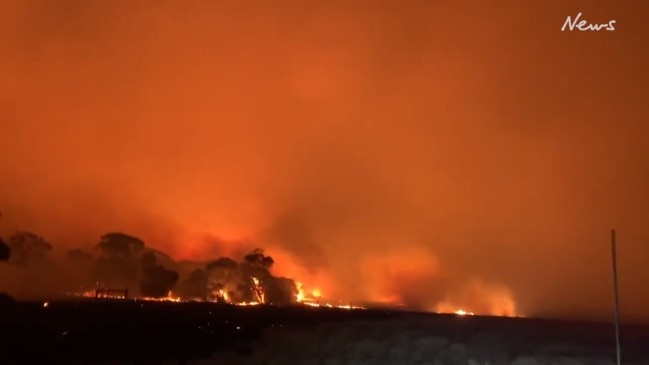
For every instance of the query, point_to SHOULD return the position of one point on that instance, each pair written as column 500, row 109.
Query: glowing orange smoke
column 480, row 298
column 310, row 283
column 394, row 276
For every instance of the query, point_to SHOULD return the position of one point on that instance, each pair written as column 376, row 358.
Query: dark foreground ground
column 95, row 331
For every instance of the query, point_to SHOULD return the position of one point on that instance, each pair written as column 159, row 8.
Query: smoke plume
column 378, row 151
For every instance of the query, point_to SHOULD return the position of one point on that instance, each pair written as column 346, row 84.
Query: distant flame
column 300, row 292
column 312, row 299
column 224, row 295
column 481, row 298
column 462, row 312
column 168, row 298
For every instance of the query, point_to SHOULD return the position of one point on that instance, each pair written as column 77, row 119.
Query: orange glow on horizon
column 378, row 153
column 478, row 297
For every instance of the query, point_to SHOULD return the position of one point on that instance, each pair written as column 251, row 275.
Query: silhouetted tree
column 148, row 260
column 119, row 261
column 77, row 275
column 157, row 281
column 257, row 257
column 79, row 255
column 27, row 246
column 279, row 291
column 119, row 245
column 5, row 251
column 195, row 286
column 220, row 274
column 221, row 263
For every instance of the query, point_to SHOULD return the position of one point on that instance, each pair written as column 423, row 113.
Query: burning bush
column 257, row 258
column 226, row 280
column 118, row 262
column 220, row 275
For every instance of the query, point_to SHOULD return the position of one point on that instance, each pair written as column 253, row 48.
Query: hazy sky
column 373, row 145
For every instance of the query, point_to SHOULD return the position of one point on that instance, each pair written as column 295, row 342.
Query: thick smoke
column 482, row 298
column 28, row 248
column 441, row 141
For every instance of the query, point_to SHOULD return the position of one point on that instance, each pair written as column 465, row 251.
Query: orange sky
column 482, row 140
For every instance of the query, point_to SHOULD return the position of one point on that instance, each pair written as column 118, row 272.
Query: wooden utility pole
column 617, row 299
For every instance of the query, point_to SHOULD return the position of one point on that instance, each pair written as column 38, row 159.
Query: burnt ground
column 92, row 331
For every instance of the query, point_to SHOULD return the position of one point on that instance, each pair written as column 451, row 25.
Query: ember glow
column 462, row 312
column 169, row 298
column 311, row 301
column 314, row 299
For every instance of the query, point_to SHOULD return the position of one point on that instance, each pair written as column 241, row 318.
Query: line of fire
column 220, row 296
column 126, row 269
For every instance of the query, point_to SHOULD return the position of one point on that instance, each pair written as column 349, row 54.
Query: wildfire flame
column 300, row 292
column 481, row 298
column 258, row 290
column 497, row 302
column 168, row 298
column 462, row 312
column 311, row 299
